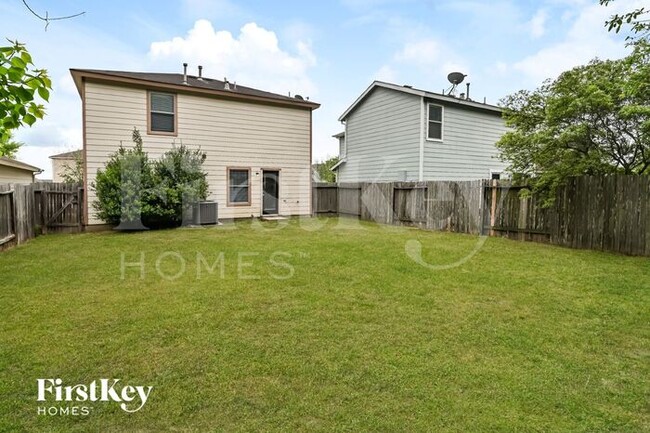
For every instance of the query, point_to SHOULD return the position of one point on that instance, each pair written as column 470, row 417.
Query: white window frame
column 502, row 174
column 442, row 123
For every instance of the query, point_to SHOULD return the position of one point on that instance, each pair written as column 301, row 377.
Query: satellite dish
column 299, row 97
column 456, row 78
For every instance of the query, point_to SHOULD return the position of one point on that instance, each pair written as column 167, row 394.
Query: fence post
column 80, row 207
column 523, row 218
column 493, row 207
column 43, row 211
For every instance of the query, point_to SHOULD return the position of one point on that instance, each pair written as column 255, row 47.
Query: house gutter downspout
column 421, row 168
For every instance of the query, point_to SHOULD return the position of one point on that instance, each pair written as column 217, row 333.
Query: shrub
column 134, row 192
column 179, row 181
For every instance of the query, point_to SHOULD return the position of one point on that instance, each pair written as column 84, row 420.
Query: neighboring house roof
column 8, row 162
column 204, row 86
column 339, row 135
column 67, row 155
column 422, row 93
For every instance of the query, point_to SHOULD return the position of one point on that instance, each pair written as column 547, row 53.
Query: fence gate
column 60, row 207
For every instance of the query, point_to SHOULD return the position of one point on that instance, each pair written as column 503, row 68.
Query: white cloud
column 385, row 73
column 586, row 38
column 423, row 53
column 430, row 58
column 252, row 58
column 537, row 24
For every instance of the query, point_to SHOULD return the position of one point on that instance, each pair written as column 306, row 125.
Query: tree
column 20, row 82
column 9, row 147
column 324, row 169
column 637, row 19
column 122, row 185
column 74, row 173
column 179, row 182
column 593, row 119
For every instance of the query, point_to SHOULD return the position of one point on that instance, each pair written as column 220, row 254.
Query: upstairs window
column 434, row 123
column 239, row 187
column 162, row 113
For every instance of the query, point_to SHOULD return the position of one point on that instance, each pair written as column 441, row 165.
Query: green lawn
column 353, row 336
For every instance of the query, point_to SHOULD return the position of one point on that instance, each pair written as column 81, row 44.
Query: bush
column 179, row 182
column 134, row 192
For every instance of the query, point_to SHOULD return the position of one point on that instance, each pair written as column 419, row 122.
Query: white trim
column 422, row 119
column 417, row 92
column 499, row 172
column 344, row 154
column 335, row 166
column 442, row 123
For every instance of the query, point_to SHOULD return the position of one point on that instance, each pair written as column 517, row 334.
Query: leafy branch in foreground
column 20, row 83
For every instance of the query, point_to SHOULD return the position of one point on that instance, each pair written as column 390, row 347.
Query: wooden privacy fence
column 38, row 208
column 454, row 206
column 609, row 213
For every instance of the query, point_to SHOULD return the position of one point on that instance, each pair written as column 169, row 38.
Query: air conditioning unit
column 206, row 212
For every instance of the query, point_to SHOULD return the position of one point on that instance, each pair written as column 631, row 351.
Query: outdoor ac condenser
column 206, row 212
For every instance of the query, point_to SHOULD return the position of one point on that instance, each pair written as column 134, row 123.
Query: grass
column 353, row 336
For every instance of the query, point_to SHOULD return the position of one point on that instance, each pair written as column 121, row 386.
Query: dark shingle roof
column 194, row 82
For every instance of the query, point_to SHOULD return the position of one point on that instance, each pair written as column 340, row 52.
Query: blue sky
column 328, row 50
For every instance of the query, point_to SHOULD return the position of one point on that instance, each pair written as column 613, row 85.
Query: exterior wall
column 15, row 175
column 467, row 151
column 58, row 168
column 383, row 138
column 232, row 133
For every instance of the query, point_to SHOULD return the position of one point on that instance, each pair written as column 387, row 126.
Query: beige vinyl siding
column 15, row 175
column 59, row 166
column 383, row 138
column 232, row 133
column 467, row 151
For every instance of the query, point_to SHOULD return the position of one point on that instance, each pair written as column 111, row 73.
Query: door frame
column 279, row 171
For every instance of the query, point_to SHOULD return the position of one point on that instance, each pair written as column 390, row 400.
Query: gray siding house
column 397, row 133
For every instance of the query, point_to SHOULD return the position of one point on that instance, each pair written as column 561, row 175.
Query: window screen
column 162, row 112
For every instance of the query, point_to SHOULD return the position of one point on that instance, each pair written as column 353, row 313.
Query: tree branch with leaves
column 20, row 85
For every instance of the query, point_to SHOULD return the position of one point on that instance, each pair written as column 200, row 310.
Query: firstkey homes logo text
column 130, row 398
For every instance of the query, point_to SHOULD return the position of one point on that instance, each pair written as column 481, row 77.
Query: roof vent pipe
column 184, row 73
column 467, row 93
column 200, row 73
column 226, row 85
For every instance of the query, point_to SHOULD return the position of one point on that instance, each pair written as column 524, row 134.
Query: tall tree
column 593, row 119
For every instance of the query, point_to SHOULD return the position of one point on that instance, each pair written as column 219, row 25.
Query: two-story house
column 398, row 133
column 258, row 144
